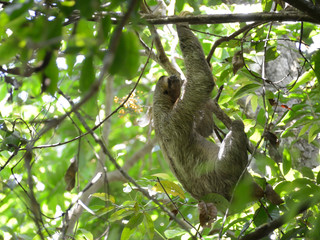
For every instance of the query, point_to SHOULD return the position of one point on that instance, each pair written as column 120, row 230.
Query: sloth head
column 169, row 87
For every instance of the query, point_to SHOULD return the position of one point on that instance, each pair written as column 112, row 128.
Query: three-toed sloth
column 201, row 166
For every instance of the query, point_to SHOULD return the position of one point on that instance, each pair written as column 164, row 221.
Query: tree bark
column 232, row 17
column 313, row 10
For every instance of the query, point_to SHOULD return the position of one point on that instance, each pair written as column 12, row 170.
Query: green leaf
column 230, row 44
column 87, row 8
column 218, row 200
column 286, row 165
column 246, row 89
column 68, row 3
column 162, row 175
column 52, row 73
column 104, row 197
column 105, row 27
column 259, row 46
column 271, row 53
column 304, row 189
column 86, row 235
column 3, row 23
column 242, row 195
column 120, row 214
column 84, row 30
column 100, row 212
column 126, row 61
column 70, row 60
column 306, row 77
column 3, row 91
column 11, row 141
column 169, row 187
column 304, row 129
column 316, row 60
column 149, row 225
column 126, row 233
column 284, row 188
column 291, row 115
column 269, row 94
column 303, row 183
column 87, row 75
column 179, row 5
column 261, row 119
column 266, row 5
column 254, row 102
column 307, row 172
column 313, row 132
column 72, row 49
column 295, row 233
column 54, row 29
column 67, row 6
column 261, row 217
column 263, row 161
column 318, row 178
column 129, row 229
column 8, row 50
column 135, row 221
column 174, row 233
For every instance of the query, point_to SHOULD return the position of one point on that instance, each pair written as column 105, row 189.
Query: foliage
column 54, row 55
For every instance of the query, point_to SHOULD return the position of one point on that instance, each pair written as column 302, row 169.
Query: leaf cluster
column 51, row 56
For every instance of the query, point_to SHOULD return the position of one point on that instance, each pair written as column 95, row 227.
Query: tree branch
column 34, row 205
column 232, row 17
column 161, row 55
column 98, row 181
column 228, row 38
column 307, row 7
column 107, row 124
column 267, row 228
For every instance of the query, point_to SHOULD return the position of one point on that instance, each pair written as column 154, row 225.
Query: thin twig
column 176, row 207
column 232, row 36
column 34, row 205
column 267, row 228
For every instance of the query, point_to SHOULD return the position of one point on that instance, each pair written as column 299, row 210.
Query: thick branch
column 233, row 17
column 163, row 59
column 307, row 7
column 161, row 55
column 267, row 228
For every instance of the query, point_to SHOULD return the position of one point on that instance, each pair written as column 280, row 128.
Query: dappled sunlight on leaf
column 67, row 69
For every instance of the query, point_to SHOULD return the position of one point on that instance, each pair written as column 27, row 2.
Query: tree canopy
column 78, row 155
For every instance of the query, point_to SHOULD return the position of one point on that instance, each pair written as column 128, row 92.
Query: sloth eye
column 166, row 92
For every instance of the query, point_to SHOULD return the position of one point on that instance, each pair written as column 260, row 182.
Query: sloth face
column 170, row 86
